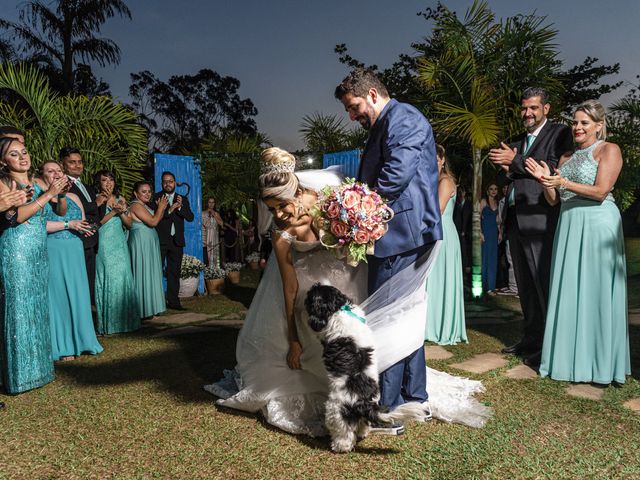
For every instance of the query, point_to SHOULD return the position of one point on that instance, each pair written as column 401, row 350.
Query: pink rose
column 351, row 216
column 333, row 210
column 361, row 236
column 368, row 204
column 350, row 199
column 339, row 229
column 377, row 232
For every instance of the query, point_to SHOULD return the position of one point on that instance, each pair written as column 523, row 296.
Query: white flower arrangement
column 233, row 266
column 191, row 267
column 253, row 257
column 212, row 272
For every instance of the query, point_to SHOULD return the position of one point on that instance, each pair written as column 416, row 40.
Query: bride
column 279, row 371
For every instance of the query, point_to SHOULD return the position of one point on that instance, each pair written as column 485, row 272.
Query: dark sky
column 282, row 50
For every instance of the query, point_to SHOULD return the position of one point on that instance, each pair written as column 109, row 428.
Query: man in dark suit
column 530, row 221
column 399, row 162
column 462, row 213
column 171, row 234
column 73, row 166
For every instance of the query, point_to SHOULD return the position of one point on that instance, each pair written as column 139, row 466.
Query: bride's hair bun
column 277, row 179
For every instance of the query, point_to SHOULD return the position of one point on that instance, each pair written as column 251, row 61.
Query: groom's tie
column 82, row 189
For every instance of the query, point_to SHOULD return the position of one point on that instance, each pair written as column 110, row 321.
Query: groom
column 399, row 162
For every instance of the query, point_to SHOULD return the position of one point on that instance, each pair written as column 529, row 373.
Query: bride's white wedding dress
column 293, row 400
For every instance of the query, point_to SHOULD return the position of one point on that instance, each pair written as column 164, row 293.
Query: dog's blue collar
column 347, row 308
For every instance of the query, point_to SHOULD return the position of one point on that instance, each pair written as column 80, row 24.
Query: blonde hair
column 595, row 112
column 277, row 179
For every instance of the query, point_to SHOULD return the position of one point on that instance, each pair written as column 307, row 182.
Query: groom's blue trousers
column 406, row 380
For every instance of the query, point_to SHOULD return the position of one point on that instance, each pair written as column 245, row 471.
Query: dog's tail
column 417, row 411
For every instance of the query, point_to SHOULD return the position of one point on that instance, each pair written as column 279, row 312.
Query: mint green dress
column 72, row 331
column 25, row 345
column 445, row 290
column 146, row 265
column 586, row 336
column 116, row 299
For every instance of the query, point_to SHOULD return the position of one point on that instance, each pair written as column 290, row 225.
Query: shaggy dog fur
column 349, row 358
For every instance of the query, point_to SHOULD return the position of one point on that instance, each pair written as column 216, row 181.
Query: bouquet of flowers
column 253, row 257
column 350, row 218
column 232, row 266
column 212, row 272
column 191, row 267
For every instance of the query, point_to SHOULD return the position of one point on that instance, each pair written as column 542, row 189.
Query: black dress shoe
column 534, row 360
column 176, row 307
column 513, row 349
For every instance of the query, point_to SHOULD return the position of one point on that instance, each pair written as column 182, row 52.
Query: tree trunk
column 476, row 249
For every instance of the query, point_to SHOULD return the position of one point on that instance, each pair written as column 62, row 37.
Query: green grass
column 138, row 411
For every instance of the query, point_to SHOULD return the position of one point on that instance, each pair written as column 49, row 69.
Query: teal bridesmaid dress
column 26, row 337
column 586, row 336
column 116, row 300
column 72, row 331
column 445, row 290
column 146, row 264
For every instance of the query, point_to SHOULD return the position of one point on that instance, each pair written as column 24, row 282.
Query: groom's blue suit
column 399, row 162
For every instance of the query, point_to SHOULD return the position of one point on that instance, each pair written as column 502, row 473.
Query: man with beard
column 171, row 234
column 529, row 220
column 399, row 162
column 73, row 166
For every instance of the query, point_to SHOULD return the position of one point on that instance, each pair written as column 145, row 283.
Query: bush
column 211, row 272
column 191, row 267
column 233, row 266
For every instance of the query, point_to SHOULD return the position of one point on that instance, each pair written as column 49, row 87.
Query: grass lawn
column 138, row 411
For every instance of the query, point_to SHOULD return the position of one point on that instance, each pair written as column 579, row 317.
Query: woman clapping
column 586, row 335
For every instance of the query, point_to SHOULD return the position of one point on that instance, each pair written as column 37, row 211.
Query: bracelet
column 39, row 204
column 66, row 224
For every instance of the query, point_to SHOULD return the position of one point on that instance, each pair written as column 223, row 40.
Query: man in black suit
column 530, row 221
column 171, row 234
column 462, row 213
column 73, row 166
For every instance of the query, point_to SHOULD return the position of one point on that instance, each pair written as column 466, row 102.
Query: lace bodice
column 581, row 168
column 73, row 213
column 298, row 245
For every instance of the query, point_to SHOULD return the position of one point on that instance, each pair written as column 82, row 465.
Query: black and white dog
column 349, row 358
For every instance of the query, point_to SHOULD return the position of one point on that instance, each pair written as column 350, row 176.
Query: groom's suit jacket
column 534, row 215
column 399, row 162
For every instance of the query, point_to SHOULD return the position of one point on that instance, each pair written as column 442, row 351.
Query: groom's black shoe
column 176, row 307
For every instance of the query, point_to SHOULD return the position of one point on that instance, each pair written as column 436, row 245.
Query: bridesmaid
column 24, row 267
column 489, row 238
column 72, row 331
column 116, row 300
column 586, row 337
column 445, row 290
column 144, row 248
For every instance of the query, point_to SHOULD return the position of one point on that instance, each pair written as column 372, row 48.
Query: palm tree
column 57, row 37
column 327, row 133
column 107, row 133
column 464, row 104
column 474, row 70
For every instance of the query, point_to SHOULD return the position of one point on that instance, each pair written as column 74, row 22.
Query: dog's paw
column 342, row 446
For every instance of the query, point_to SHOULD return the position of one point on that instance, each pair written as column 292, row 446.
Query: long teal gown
column 26, row 360
column 489, row 227
column 146, row 264
column 586, row 336
column 445, row 290
column 72, row 331
column 116, row 299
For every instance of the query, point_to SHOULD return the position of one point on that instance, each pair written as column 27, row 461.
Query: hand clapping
column 502, row 156
column 12, row 198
